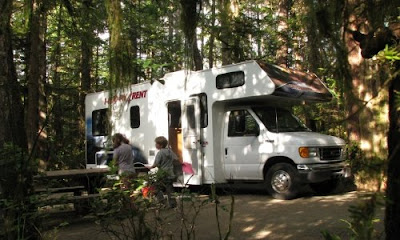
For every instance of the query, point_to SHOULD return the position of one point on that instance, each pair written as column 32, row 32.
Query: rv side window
column 135, row 116
column 241, row 123
column 230, row 80
column 190, row 113
column 100, row 122
column 203, row 109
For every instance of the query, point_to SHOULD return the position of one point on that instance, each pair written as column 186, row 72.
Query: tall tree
column 189, row 20
column 225, row 31
column 114, row 12
column 11, row 108
column 283, row 32
column 36, row 74
column 371, row 17
column 55, row 58
column 211, row 53
column 87, row 26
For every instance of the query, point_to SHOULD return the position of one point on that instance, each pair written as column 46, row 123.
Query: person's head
column 118, row 139
column 161, row 142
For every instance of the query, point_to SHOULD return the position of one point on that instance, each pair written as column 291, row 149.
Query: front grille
column 330, row 153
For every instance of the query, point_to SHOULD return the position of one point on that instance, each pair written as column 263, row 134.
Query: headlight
column 308, row 152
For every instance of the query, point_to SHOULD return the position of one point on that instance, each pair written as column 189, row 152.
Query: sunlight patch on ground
column 277, row 201
column 249, row 219
column 248, row 229
column 262, row 234
column 336, row 198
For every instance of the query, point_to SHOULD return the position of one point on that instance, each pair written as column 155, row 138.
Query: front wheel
column 282, row 181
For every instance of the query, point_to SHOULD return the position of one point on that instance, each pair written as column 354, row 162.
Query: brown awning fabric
column 296, row 84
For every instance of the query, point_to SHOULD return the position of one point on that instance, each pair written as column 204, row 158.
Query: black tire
column 325, row 187
column 282, row 181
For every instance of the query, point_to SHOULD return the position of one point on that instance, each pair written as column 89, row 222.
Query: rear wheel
column 282, row 181
column 325, row 187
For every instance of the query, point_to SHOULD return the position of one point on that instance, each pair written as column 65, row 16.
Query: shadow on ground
column 256, row 216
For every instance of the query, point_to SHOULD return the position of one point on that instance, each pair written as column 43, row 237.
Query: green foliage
column 366, row 168
column 19, row 218
column 362, row 219
column 391, row 54
column 127, row 213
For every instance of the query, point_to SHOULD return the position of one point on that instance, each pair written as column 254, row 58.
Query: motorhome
column 231, row 123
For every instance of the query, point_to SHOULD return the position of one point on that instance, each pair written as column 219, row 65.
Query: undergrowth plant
column 19, row 218
column 366, row 168
column 362, row 220
column 132, row 213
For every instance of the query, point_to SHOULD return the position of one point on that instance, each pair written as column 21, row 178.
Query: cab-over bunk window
column 230, row 80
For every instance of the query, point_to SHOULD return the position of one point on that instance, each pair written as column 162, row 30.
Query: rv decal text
column 126, row 98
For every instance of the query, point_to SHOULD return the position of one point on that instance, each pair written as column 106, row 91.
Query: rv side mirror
column 312, row 124
column 315, row 125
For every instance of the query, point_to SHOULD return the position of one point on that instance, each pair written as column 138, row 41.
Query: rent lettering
column 126, row 97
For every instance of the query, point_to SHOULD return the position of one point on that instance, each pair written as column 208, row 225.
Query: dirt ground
column 256, row 216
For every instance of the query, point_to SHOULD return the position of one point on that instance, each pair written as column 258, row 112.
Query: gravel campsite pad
column 256, row 216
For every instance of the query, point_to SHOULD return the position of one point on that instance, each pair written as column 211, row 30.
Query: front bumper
column 311, row 173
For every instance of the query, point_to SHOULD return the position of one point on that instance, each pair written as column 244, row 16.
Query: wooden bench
column 82, row 204
column 75, row 189
column 67, row 199
column 86, row 180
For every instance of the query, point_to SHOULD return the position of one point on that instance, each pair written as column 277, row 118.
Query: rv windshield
column 280, row 120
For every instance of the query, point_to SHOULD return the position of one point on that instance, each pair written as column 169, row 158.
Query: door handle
column 270, row 141
column 226, row 151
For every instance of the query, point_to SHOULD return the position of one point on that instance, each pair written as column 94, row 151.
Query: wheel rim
column 281, row 181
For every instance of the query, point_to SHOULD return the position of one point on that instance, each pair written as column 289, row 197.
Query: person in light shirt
column 164, row 161
column 123, row 158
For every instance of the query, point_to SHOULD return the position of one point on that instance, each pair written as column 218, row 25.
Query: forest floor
column 256, row 216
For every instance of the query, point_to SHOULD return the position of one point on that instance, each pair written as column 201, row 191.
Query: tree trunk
column 283, row 33
column 212, row 37
column 86, row 79
column 11, row 108
column 189, row 19
column 197, row 58
column 35, row 113
column 352, row 84
column 225, row 31
column 392, row 216
column 16, row 176
column 359, row 89
column 117, row 71
column 57, row 121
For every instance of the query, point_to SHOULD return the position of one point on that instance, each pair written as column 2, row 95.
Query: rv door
column 192, row 149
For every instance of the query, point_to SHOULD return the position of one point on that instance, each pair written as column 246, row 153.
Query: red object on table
column 147, row 191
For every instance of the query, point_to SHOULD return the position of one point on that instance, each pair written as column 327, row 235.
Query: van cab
column 271, row 144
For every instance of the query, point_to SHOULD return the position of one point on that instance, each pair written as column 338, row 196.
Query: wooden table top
column 73, row 173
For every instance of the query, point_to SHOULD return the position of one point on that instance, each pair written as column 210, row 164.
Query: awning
column 296, row 84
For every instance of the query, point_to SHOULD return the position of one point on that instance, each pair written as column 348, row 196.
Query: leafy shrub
column 17, row 201
column 127, row 213
column 362, row 219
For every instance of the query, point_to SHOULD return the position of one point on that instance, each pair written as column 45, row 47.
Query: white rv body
column 193, row 110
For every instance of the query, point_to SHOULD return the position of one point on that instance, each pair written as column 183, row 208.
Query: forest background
column 54, row 52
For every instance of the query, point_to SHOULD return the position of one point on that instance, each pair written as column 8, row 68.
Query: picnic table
column 83, row 183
